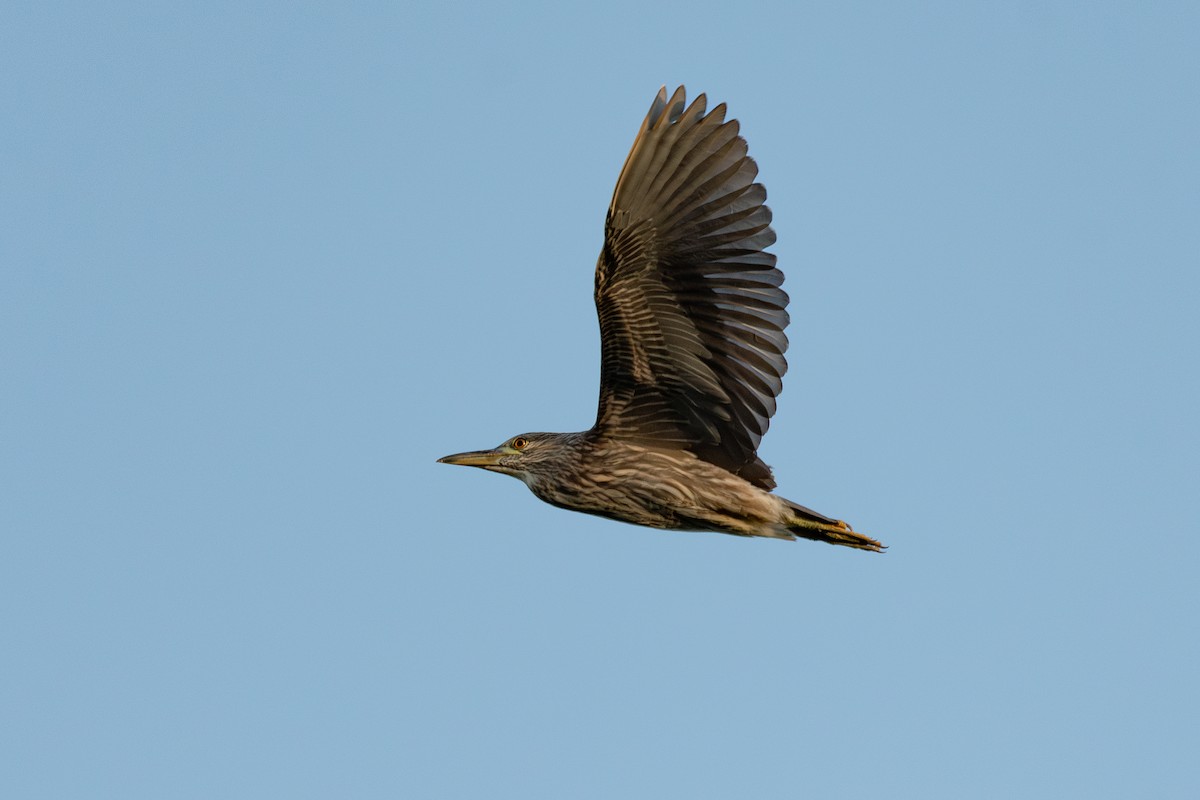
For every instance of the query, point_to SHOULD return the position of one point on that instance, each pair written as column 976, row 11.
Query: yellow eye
column 519, row 443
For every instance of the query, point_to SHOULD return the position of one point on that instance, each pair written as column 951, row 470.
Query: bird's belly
column 690, row 496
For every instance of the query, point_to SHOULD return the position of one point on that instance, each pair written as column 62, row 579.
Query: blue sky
column 261, row 265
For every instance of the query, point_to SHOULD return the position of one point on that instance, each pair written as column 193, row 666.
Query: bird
column 692, row 317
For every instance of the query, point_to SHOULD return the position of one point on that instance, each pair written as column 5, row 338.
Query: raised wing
column 692, row 315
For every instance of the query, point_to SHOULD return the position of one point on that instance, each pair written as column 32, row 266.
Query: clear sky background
column 261, row 265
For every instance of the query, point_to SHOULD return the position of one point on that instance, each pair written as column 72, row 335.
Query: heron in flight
column 692, row 322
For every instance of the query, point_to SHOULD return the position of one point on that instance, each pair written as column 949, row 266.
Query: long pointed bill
column 476, row 458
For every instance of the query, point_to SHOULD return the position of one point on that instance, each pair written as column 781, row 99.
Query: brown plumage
column 692, row 321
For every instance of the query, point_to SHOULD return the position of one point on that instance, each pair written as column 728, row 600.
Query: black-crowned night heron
column 691, row 328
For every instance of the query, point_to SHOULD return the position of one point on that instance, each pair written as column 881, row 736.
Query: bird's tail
column 808, row 524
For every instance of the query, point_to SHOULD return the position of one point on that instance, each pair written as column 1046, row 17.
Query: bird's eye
column 519, row 443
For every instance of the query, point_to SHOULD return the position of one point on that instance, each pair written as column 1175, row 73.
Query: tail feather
column 808, row 524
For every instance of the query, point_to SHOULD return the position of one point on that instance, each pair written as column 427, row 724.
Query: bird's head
column 526, row 456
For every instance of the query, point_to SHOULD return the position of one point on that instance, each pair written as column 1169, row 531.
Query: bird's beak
column 476, row 458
